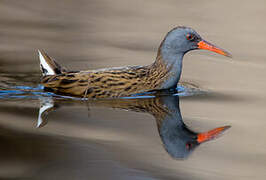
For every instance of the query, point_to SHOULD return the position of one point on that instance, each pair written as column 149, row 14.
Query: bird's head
column 183, row 39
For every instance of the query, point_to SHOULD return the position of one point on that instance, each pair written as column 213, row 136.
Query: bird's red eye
column 190, row 37
column 188, row 145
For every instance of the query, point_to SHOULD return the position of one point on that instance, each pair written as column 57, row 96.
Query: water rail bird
column 162, row 74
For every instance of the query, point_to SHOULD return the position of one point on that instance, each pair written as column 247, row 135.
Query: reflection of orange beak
column 206, row 136
column 208, row 46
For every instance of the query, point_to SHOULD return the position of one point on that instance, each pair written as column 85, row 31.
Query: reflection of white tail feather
column 46, row 105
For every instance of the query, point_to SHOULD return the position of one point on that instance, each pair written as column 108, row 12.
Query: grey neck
column 173, row 61
column 173, row 131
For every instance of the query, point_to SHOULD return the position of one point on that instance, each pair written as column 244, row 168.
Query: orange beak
column 208, row 46
column 212, row 134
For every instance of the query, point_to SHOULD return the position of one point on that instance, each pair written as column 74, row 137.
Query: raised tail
column 49, row 66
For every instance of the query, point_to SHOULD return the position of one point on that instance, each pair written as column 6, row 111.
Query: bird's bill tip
column 212, row 134
column 208, row 46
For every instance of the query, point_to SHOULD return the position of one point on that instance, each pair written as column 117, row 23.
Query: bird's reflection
column 178, row 140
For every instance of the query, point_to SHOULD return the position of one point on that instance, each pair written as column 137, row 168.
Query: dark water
column 144, row 137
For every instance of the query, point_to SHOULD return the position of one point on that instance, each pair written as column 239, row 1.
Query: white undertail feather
column 44, row 66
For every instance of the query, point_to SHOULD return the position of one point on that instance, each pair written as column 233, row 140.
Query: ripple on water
column 29, row 92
